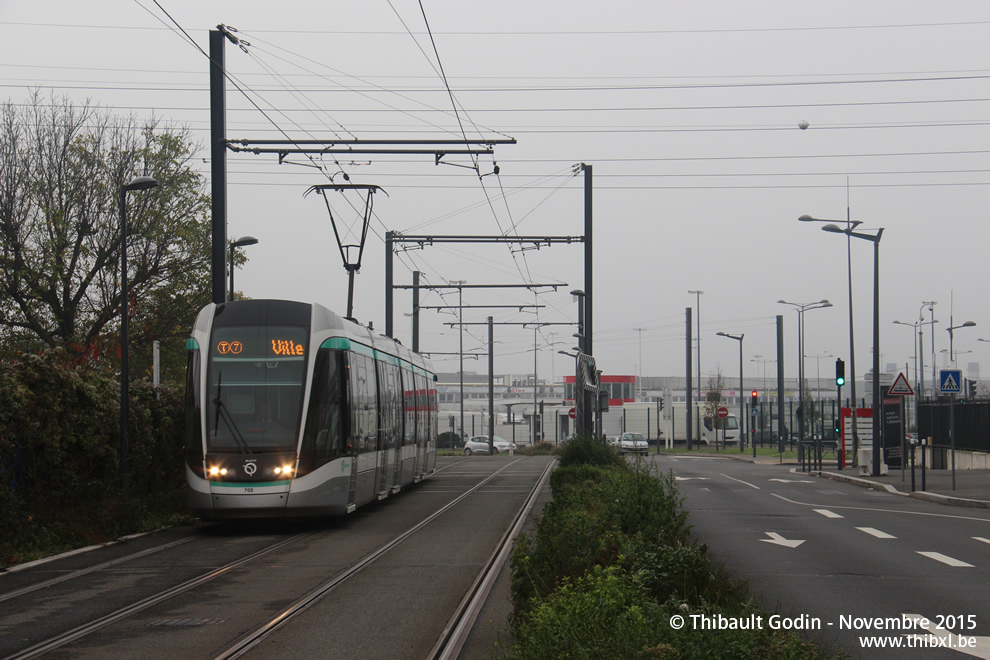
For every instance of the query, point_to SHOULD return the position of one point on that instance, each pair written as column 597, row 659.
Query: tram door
column 389, row 426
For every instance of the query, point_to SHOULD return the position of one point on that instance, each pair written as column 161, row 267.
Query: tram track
column 459, row 625
column 10, row 595
column 124, row 612
column 451, row 639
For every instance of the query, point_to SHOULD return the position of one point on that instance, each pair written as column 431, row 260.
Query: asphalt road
column 835, row 555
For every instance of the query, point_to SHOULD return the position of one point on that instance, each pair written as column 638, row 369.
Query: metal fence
column 972, row 426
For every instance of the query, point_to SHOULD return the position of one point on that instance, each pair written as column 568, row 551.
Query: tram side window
column 431, row 412
column 422, row 428
column 364, row 411
column 390, row 404
column 409, row 405
column 324, row 435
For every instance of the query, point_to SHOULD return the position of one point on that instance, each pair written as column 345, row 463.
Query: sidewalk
column 972, row 487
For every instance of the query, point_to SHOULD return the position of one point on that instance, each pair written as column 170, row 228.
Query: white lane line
column 945, row 559
column 827, row 513
column 745, row 483
column 981, row 649
column 876, row 532
column 879, row 510
column 981, row 539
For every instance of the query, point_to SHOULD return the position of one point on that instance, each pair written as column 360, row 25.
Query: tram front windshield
column 256, row 376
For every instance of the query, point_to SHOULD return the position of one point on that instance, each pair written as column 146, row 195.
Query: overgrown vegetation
column 610, row 563
column 59, row 439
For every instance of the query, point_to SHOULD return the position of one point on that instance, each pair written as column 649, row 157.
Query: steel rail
column 255, row 636
column 85, row 629
column 86, row 571
column 456, row 632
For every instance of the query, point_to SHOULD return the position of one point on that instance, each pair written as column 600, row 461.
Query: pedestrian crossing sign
column 949, row 381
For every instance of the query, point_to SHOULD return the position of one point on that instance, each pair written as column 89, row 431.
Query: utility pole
column 688, row 417
column 460, row 317
column 218, row 165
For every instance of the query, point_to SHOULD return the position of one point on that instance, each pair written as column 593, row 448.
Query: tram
column 294, row 411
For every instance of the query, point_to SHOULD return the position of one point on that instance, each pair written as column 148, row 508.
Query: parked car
column 634, row 443
column 479, row 445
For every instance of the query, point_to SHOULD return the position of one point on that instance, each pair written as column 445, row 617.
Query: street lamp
column 850, row 225
column 697, row 295
column 930, row 304
column 742, row 409
column 919, row 347
column 244, row 240
column 875, row 239
column 952, row 355
column 801, row 309
column 137, row 183
column 582, row 405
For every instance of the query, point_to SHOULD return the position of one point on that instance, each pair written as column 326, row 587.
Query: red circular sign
column 572, row 413
column 723, row 412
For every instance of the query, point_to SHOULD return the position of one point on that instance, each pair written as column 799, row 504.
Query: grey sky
column 688, row 113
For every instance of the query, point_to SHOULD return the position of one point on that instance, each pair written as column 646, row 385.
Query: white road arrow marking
column 792, row 481
column 981, row 650
column 945, row 559
column 876, row 532
column 777, row 539
column 827, row 513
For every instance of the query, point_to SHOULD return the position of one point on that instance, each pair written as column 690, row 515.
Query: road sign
column 572, row 413
column 723, row 412
column 900, row 387
column 949, row 381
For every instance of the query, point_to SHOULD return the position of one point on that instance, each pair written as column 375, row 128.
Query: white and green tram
column 294, row 411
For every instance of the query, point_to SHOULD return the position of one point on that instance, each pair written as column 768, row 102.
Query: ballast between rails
column 456, row 632
column 254, row 637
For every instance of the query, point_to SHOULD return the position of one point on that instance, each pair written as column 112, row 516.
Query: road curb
column 856, row 481
column 937, row 498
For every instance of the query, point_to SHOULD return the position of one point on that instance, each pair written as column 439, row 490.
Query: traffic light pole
column 840, row 380
column 752, row 420
column 840, row 450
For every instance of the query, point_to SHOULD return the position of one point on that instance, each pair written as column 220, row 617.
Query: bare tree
column 61, row 167
column 713, row 396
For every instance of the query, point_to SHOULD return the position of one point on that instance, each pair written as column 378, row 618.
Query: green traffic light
column 840, row 381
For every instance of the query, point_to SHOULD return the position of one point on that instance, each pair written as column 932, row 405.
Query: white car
column 479, row 445
column 630, row 443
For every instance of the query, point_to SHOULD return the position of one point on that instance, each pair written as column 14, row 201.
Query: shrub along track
column 125, row 631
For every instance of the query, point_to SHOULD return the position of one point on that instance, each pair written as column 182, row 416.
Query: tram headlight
column 285, row 470
column 218, row 471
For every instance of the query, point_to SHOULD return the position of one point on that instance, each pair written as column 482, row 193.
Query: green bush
column 448, row 440
column 611, row 561
column 604, row 614
column 59, row 464
column 539, row 449
column 587, row 450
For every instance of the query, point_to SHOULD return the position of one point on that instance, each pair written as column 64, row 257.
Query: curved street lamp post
column 801, row 309
column 240, row 242
column 742, row 409
column 137, row 183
